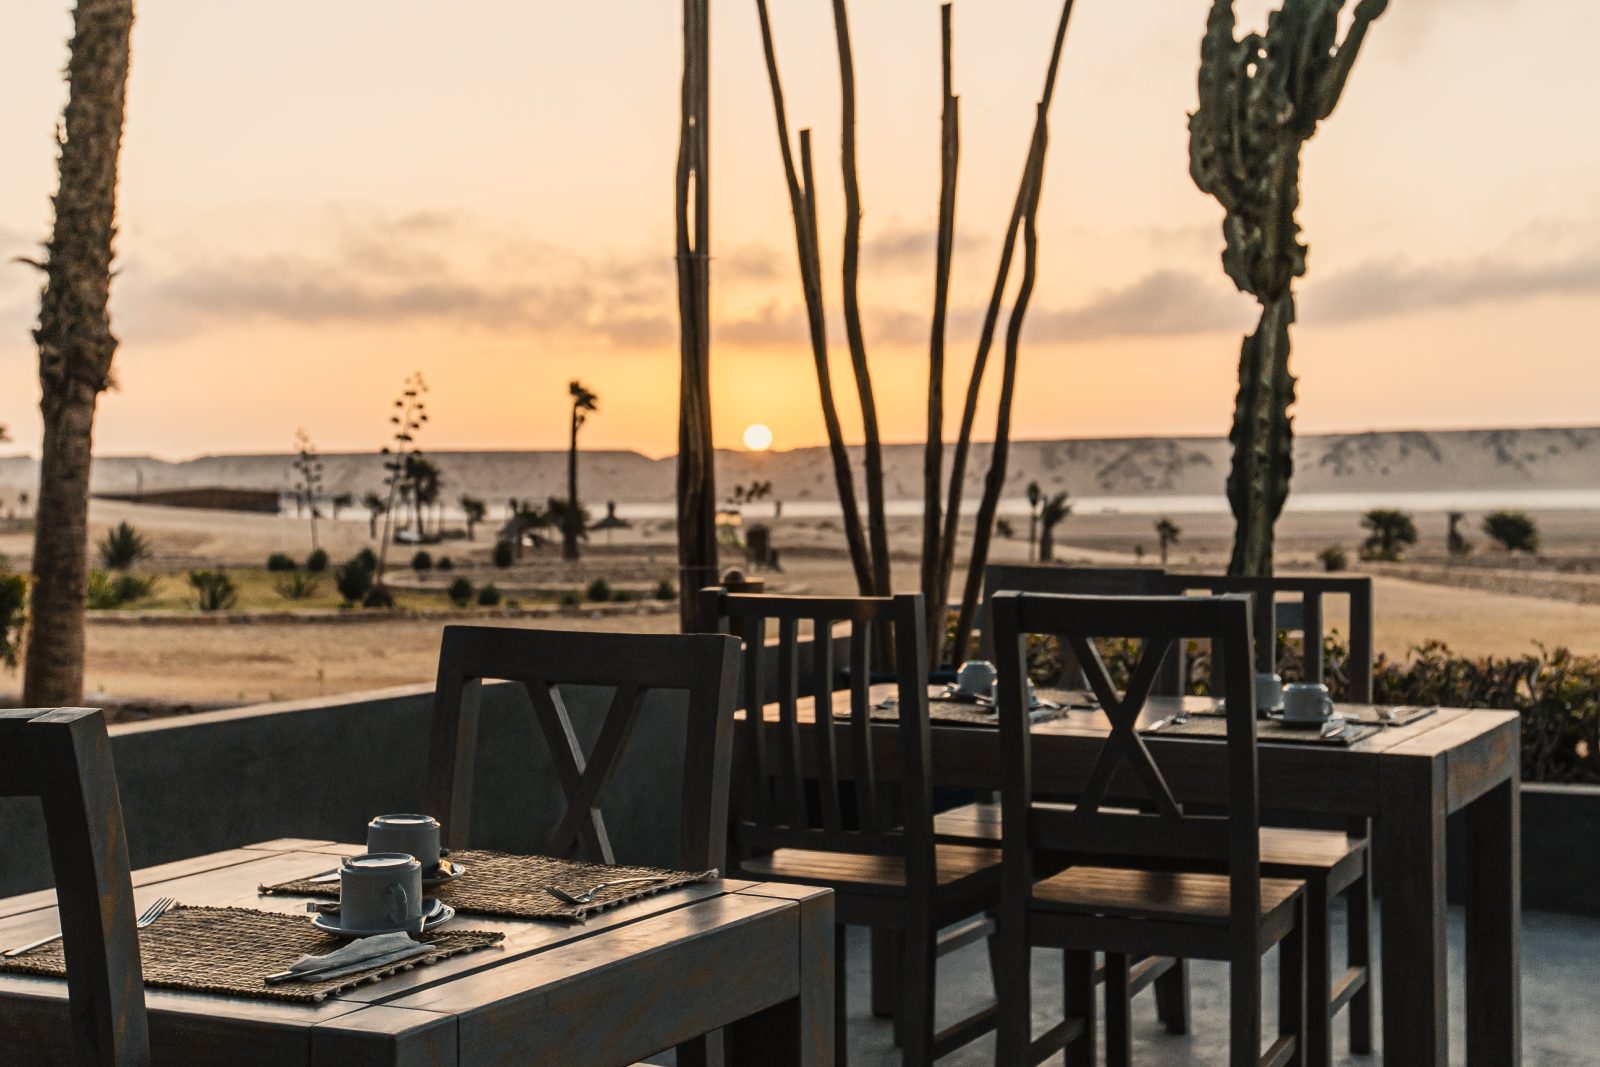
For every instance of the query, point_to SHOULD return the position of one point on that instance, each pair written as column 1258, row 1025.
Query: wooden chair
column 1331, row 863
column 701, row 665
column 63, row 757
column 882, row 865
column 1214, row 905
column 1047, row 578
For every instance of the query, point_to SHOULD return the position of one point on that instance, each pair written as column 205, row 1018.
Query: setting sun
column 757, row 438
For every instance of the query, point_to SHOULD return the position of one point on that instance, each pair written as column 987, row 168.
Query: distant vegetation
column 1390, row 533
column 298, row 585
column 214, row 590
column 1513, row 531
column 122, row 547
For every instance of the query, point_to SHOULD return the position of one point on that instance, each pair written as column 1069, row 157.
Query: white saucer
column 434, row 911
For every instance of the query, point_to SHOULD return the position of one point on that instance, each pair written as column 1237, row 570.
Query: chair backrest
column 775, row 812
column 1297, row 606
column 702, row 666
column 1123, row 766
column 1078, row 581
column 63, row 757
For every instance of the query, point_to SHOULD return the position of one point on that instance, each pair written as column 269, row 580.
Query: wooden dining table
column 755, row 958
column 1405, row 779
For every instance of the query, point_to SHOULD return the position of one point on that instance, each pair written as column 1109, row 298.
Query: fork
column 587, row 896
column 146, row 917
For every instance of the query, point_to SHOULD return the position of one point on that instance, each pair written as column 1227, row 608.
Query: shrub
column 599, row 590
column 317, row 562
column 571, row 599
column 108, row 590
column 445, row 564
column 622, row 596
column 1391, row 531
column 460, row 592
column 213, row 589
column 1512, row 531
column 280, row 561
column 488, row 596
column 368, row 559
column 422, row 561
column 505, row 553
column 665, row 590
column 13, row 614
column 298, row 585
column 378, row 597
column 353, row 579
column 122, row 547
column 1334, row 559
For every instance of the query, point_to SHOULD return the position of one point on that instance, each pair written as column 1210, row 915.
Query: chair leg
column 1172, row 998
column 918, row 984
column 1078, row 985
column 1119, row 1012
column 841, row 999
column 1292, row 1001
column 1358, row 932
column 1319, row 976
column 886, row 953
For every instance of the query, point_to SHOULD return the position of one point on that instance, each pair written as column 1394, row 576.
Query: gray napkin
column 364, row 953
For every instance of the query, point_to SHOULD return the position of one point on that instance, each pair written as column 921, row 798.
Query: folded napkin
column 362, row 954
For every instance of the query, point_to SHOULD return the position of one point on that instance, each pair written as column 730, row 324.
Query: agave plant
column 122, row 547
column 298, row 585
column 214, row 589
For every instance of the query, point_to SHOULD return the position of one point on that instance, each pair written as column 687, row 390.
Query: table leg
column 1409, row 836
column 1494, row 914
column 796, row 1032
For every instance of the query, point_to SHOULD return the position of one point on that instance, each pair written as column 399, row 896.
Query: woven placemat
column 232, row 950
column 1266, row 730
column 513, row 887
column 952, row 712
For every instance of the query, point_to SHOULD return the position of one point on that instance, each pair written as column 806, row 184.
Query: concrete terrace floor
column 1560, row 1018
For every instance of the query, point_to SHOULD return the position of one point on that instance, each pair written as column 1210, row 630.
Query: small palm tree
column 584, row 401
column 1390, row 531
column 1167, row 533
column 1051, row 513
column 1035, row 495
column 1455, row 540
column 474, row 510
column 1512, row 531
column 376, row 506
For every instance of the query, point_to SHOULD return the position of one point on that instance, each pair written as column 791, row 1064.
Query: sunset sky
column 319, row 198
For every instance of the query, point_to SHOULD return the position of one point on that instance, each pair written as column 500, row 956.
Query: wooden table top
column 433, row 1007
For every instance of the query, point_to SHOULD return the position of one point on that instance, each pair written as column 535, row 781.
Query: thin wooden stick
column 933, row 593
column 802, row 202
column 958, row 465
column 872, row 447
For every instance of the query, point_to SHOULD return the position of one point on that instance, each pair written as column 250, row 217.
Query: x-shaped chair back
column 1125, row 767
column 632, row 665
column 848, row 815
column 1295, row 604
column 63, row 757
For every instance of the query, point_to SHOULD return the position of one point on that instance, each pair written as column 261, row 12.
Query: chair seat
column 867, row 874
column 1285, row 853
column 1161, row 895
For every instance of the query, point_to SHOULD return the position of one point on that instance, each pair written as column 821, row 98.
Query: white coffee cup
column 1269, row 692
column 380, row 891
column 976, row 678
column 413, row 835
column 1307, row 702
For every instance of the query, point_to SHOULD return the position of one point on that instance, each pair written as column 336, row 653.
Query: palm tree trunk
column 1263, row 439
column 76, row 344
column 571, row 522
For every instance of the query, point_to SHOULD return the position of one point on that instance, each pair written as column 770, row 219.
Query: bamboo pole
column 872, row 446
column 696, row 488
column 802, row 203
column 933, row 593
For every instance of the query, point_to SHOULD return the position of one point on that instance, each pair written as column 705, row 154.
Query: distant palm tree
column 1051, row 513
column 474, row 510
column 583, row 402
column 76, row 344
column 422, row 475
column 1035, row 495
column 1167, row 533
column 376, row 507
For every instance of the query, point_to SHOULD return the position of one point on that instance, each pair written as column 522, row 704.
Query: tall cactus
column 1261, row 98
